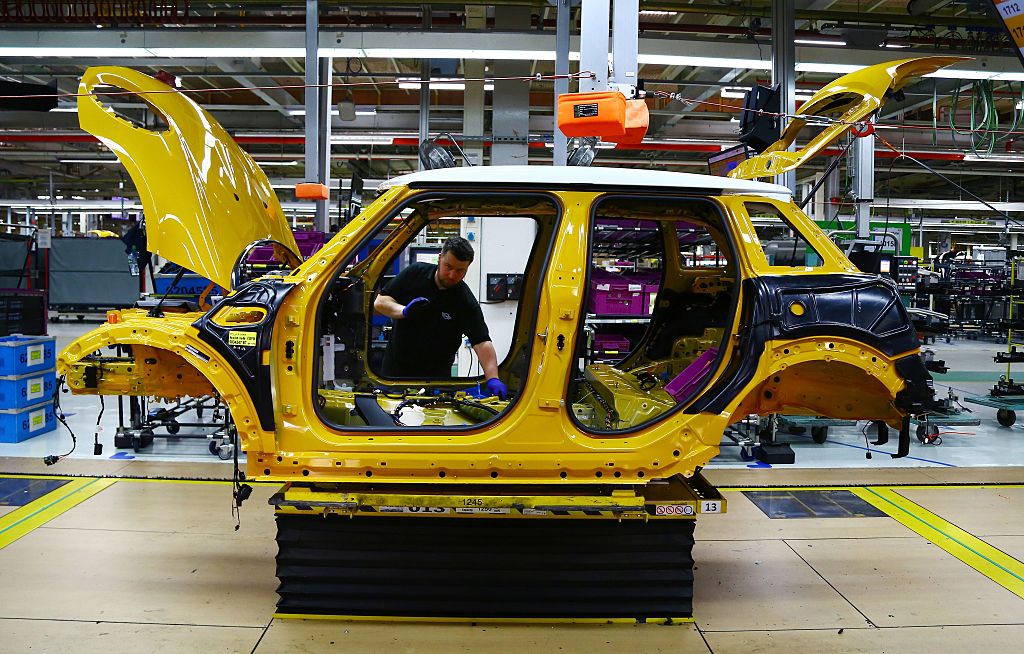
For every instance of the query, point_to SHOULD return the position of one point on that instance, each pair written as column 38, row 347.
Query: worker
column 432, row 307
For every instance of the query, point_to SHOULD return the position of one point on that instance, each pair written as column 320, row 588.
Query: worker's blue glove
column 415, row 307
column 497, row 387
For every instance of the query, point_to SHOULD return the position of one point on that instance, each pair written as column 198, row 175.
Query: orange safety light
column 312, row 191
column 597, row 113
column 112, row 317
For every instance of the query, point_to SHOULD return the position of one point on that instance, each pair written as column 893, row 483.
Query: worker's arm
column 388, row 306
column 488, row 358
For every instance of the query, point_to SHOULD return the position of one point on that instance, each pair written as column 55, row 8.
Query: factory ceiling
column 244, row 62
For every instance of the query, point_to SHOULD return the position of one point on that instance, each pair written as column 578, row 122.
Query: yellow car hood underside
column 204, row 198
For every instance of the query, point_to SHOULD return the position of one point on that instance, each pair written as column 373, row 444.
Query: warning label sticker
column 242, row 339
column 588, row 110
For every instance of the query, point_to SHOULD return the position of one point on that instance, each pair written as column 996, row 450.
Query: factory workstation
column 564, row 326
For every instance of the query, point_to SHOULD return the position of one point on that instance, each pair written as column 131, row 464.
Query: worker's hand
column 497, row 387
column 415, row 307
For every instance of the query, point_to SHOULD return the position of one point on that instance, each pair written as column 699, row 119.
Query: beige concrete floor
column 158, row 567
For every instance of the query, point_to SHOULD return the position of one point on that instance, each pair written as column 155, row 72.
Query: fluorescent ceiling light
column 459, row 53
column 709, row 62
column 897, row 45
column 657, row 13
column 439, row 84
column 210, row 52
column 65, row 108
column 840, row 69
column 20, row 51
column 90, row 161
column 819, row 42
column 994, row 157
column 367, row 139
column 740, row 92
column 360, row 111
column 284, row 162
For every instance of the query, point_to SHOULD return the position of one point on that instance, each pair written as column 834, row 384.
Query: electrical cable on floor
column 50, row 459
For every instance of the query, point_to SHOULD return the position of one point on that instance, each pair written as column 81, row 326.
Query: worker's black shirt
column 425, row 345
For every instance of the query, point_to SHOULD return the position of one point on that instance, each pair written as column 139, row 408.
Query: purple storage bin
column 692, row 376
column 308, row 242
column 611, row 343
column 612, row 294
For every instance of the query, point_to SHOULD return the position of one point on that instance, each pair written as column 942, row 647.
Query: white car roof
column 592, row 178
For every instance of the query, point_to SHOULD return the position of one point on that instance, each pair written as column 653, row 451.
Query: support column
column 473, row 99
column 625, row 45
column 864, row 183
column 594, row 44
column 313, row 103
column 784, row 68
column 510, row 117
column 560, row 151
column 323, row 146
column 424, row 121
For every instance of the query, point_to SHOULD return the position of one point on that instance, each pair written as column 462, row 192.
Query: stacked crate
column 27, row 382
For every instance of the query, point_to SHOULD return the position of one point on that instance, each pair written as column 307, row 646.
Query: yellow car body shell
column 536, row 440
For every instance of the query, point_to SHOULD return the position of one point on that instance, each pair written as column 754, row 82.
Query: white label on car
column 710, row 506
column 476, row 509
column 527, row 511
column 414, row 509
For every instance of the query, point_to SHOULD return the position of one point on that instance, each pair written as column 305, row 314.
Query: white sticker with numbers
column 35, row 388
column 37, row 420
column 711, row 506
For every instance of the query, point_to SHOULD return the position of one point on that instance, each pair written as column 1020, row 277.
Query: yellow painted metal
column 856, row 95
column 204, row 198
column 171, row 334
column 23, row 520
column 990, row 561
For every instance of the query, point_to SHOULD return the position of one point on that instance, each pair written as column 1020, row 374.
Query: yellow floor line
column 23, row 520
column 402, row 618
column 995, row 564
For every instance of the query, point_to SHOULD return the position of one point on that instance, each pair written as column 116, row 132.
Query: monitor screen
column 722, row 162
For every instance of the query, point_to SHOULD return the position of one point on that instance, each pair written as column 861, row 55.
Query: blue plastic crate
column 17, row 425
column 23, row 354
column 18, row 392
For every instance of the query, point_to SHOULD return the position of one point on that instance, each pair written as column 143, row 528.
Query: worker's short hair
column 459, row 247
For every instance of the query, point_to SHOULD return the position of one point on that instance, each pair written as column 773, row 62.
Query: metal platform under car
column 575, row 553
column 1006, row 406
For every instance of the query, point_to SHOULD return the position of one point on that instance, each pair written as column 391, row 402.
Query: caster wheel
column 795, row 430
column 173, row 427
column 819, row 434
column 122, row 441
column 214, row 447
column 225, row 451
column 1006, row 417
column 929, row 435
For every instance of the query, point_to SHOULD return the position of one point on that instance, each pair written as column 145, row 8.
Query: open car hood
column 856, row 95
column 204, row 198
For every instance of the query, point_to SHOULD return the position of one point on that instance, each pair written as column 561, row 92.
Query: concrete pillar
column 510, row 117
column 784, row 67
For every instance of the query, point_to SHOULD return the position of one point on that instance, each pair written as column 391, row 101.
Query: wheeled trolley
column 1006, row 406
column 142, row 422
column 573, row 552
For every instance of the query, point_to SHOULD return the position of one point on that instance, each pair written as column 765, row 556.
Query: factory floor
column 131, row 551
